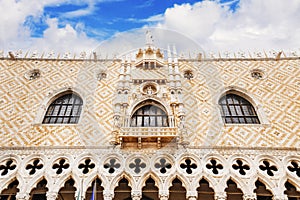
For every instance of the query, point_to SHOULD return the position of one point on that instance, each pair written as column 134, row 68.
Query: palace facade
column 155, row 125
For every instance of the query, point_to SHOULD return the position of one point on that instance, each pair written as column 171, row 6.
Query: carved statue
column 149, row 38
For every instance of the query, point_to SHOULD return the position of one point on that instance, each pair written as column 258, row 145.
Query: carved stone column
column 280, row 197
column 51, row 195
column 163, row 195
column 251, row 196
column 192, row 195
column 136, row 194
column 108, row 195
column 220, row 196
column 22, row 196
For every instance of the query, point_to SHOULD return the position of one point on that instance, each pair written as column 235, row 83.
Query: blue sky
column 108, row 17
column 218, row 25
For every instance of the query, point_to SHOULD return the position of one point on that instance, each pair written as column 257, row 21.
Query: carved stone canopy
column 149, row 88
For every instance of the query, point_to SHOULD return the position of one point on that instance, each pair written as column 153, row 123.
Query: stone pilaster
column 251, row 196
column 136, row 194
column 22, row 196
column 163, row 195
column 280, row 197
column 52, row 195
column 108, row 195
column 220, row 196
column 191, row 195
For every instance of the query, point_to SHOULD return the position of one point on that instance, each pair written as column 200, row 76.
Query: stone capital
column 163, row 195
column 220, row 196
column 136, row 194
column 22, row 196
column 51, row 195
column 280, row 197
column 191, row 195
column 251, row 196
column 108, row 194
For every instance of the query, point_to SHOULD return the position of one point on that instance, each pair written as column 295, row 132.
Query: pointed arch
column 95, row 187
column 245, row 95
column 68, row 190
column 291, row 190
column 52, row 97
column 144, row 178
column 123, row 190
column 237, row 110
column 232, row 191
column 177, row 190
column 39, row 191
column 262, row 191
column 114, row 182
column 65, row 109
column 149, row 113
column 205, row 190
column 150, row 190
column 10, row 191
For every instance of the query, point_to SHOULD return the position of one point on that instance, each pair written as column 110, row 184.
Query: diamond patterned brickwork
column 23, row 101
column 277, row 93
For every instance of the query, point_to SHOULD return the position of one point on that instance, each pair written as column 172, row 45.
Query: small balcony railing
column 148, row 132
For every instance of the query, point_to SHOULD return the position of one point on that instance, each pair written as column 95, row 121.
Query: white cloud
column 65, row 39
column 16, row 31
column 256, row 24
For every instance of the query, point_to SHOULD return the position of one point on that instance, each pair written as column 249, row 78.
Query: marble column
column 251, row 196
column 51, row 195
column 280, row 197
column 22, row 196
column 108, row 195
column 164, row 195
column 220, row 196
column 136, row 194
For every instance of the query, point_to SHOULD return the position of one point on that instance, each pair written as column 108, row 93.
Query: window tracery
column 64, row 110
column 149, row 116
column 237, row 110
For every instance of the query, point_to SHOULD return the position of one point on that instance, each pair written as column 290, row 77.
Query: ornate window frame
column 52, row 97
column 249, row 97
column 154, row 102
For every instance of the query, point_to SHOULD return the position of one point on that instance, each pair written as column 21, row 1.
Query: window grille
column 149, row 116
column 64, row 110
column 237, row 110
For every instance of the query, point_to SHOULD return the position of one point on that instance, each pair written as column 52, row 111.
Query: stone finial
column 149, row 38
column 83, row 55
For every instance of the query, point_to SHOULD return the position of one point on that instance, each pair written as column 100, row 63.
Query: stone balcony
column 145, row 136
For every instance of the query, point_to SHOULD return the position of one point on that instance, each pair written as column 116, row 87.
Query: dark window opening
column 64, row 110
column 149, row 116
column 237, row 110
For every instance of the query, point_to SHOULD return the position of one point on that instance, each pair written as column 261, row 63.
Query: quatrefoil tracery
column 163, row 165
column 214, row 166
column 86, row 166
column 268, row 168
column 60, row 166
column 112, row 166
column 241, row 167
column 137, row 165
column 36, row 165
column 7, row 167
column 188, row 165
column 294, row 168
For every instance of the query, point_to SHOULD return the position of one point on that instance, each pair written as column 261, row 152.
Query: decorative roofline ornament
column 149, row 39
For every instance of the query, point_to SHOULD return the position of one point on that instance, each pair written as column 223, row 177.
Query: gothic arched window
column 149, row 116
column 237, row 110
column 65, row 109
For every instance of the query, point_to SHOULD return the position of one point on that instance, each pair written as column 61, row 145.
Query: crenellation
column 150, row 122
